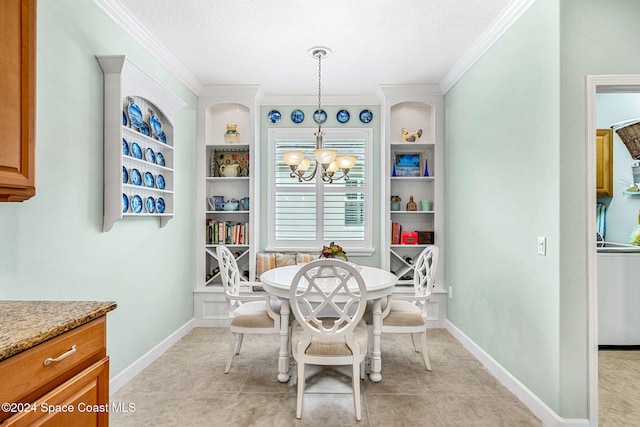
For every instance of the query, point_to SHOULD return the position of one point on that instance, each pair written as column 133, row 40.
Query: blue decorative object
column 136, row 178
column 297, row 116
column 144, row 129
column 162, row 137
column 149, row 181
column 125, row 175
column 156, row 125
column 150, row 204
column 125, row 203
column 160, row 205
column 426, row 167
column 136, row 204
column 135, row 114
column 159, row 159
column 320, row 116
column 343, row 116
column 274, row 117
column 150, row 156
column 136, row 151
column 125, row 147
column 160, row 182
column 124, row 118
column 366, row 116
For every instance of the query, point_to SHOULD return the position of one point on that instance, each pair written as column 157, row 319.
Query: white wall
column 52, row 247
column 622, row 209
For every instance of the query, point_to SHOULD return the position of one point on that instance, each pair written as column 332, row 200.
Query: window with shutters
column 304, row 216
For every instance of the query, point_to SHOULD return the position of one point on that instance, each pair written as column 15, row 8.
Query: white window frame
column 360, row 247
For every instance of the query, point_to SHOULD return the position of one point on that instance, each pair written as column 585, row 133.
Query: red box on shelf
column 409, row 238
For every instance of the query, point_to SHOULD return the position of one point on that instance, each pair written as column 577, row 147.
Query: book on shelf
column 396, row 233
column 227, row 233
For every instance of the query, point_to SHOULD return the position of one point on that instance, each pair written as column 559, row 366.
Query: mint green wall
column 52, row 246
column 516, row 168
column 501, row 189
column 332, row 122
column 597, row 37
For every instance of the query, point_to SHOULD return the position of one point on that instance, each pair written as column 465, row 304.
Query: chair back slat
column 425, row 270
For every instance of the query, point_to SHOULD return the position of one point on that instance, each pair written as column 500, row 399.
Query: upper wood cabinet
column 604, row 162
column 17, row 99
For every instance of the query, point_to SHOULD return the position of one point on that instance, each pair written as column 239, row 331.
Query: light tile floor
column 619, row 388
column 187, row 386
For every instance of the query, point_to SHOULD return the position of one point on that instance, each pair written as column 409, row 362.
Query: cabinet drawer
column 25, row 376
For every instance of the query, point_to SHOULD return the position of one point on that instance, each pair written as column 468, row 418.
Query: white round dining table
column 380, row 283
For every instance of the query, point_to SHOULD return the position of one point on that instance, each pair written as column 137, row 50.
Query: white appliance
column 618, row 295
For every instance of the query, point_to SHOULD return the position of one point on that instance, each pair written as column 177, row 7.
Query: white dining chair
column 407, row 314
column 328, row 298
column 248, row 314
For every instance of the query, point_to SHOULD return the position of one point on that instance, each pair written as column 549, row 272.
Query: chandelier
column 328, row 162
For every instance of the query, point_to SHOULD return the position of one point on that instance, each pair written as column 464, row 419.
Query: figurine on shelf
column 395, row 203
column 411, row 136
column 411, row 205
column 232, row 136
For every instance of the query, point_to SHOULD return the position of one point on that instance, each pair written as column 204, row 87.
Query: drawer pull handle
column 48, row 361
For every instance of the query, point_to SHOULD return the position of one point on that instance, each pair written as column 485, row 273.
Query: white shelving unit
column 218, row 106
column 411, row 108
column 125, row 82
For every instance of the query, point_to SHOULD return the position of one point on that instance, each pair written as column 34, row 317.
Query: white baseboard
column 128, row 373
column 538, row 407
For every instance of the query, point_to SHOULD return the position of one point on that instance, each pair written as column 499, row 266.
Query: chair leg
column 300, row 389
column 425, row 354
column 356, row 390
column 239, row 338
column 232, row 345
column 413, row 341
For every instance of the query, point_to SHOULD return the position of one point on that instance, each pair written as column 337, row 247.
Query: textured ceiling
column 266, row 42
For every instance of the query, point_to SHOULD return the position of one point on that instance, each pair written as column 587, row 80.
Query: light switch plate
column 542, row 245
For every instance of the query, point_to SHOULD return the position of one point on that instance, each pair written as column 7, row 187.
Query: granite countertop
column 25, row 324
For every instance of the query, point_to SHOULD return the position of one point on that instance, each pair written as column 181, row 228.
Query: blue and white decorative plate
column 144, row 129
column 366, row 116
column 160, row 205
column 136, row 204
column 343, row 116
column 320, row 116
column 125, row 175
column 274, row 117
column 125, row 203
column 149, row 181
column 124, row 119
column 160, row 182
column 162, row 137
column 125, row 147
column 156, row 126
column 136, row 151
column 135, row 115
column 150, row 204
column 159, row 159
column 297, row 116
column 136, row 178
column 150, row 156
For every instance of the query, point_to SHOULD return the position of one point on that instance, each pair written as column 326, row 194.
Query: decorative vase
column 395, row 206
column 232, row 135
column 411, row 205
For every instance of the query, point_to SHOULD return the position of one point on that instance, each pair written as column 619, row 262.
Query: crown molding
column 481, row 46
column 117, row 12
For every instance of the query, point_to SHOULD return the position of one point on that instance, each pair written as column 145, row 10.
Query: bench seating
column 268, row 260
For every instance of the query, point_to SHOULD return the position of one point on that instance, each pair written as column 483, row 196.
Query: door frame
column 597, row 84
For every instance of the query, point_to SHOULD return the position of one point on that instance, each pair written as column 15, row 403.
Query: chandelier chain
column 319, row 88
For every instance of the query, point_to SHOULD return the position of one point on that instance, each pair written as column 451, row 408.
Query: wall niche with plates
column 138, row 143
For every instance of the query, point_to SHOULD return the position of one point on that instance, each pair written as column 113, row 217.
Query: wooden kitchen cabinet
column 17, row 99
column 604, row 162
column 73, row 391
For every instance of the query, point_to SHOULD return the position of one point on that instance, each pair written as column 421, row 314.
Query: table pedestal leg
column 283, row 359
column 376, row 359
